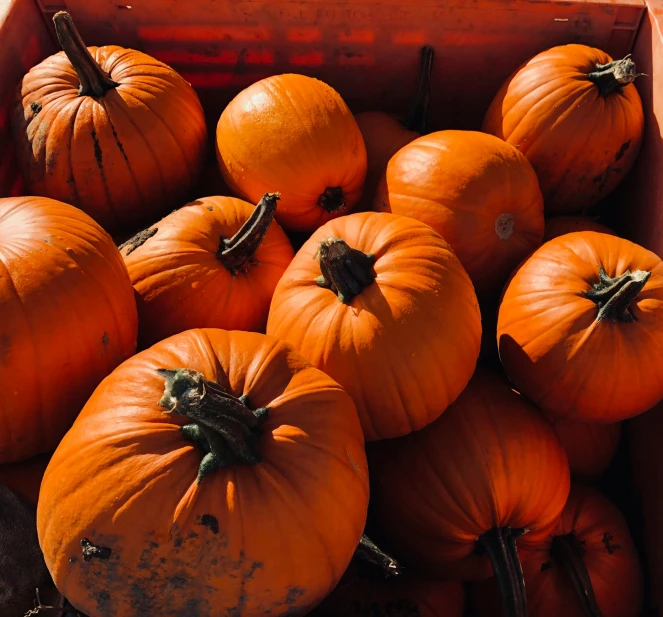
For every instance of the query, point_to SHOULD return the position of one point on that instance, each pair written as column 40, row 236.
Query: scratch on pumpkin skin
column 607, row 542
column 105, row 339
column 622, row 151
column 35, row 107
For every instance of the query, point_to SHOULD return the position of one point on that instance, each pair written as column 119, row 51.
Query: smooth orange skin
column 407, row 345
column 552, row 347
column 180, row 284
column 491, row 460
column 126, row 158
column 68, row 319
column 124, row 477
column 616, row 576
column 580, row 143
column 24, row 477
column 560, row 225
column 294, row 135
column 460, row 183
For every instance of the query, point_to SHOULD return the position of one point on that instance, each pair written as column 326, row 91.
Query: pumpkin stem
column 613, row 296
column 332, row 199
column 346, row 271
column 236, row 253
column 500, row 545
column 418, row 114
column 94, row 80
column 370, row 553
column 568, row 553
column 223, row 427
column 612, row 76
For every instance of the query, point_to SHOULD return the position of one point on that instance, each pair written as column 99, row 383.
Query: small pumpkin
column 478, row 192
column 580, row 328
column 296, row 133
column 24, row 477
column 560, row 225
column 214, row 470
column 381, row 304
column 213, row 263
column 68, row 319
column 587, row 567
column 483, row 483
column 109, row 130
column 574, row 112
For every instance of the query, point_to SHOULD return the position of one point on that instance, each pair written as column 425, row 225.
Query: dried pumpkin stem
column 346, row 271
column 332, row 199
column 614, row 296
column 237, row 253
column 223, row 427
column 418, row 115
column 370, row 553
column 94, row 80
column 612, row 76
column 568, row 553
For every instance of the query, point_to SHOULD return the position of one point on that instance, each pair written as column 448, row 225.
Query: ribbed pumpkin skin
column 293, row 134
column 283, row 531
column 407, row 345
column 68, row 319
column 560, row 225
column 478, row 192
column 580, row 143
column 125, row 158
column 558, row 354
column 180, row 284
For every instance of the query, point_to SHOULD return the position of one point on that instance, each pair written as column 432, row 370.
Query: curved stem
column 418, row 114
column 613, row 296
column 223, row 427
column 369, row 552
column 612, row 76
column 237, row 252
column 346, row 271
column 569, row 554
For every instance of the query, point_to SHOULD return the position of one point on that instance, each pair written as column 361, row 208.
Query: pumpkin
column 587, row 567
column 381, row 304
column 295, row 133
column 68, row 319
column 213, row 473
column 24, row 477
column 560, row 225
column 580, row 328
column 109, row 130
column 385, row 134
column 213, row 263
column 485, row 481
column 578, row 118
column 478, row 192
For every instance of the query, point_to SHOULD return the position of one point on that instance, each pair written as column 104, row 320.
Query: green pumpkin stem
column 370, row 553
column 94, row 80
column 417, row 117
column 568, row 553
column 346, row 271
column 612, row 76
column 237, row 253
column 223, row 427
column 614, row 296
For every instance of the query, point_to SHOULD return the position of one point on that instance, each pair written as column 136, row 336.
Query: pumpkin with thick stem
column 295, row 133
column 109, row 130
column 580, row 328
column 463, row 497
column 478, row 192
column 578, row 118
column 214, row 473
column 381, row 304
column 212, row 264
column 560, row 225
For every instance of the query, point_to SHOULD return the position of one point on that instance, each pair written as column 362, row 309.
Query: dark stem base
column 612, row 76
column 332, row 199
column 375, row 559
column 614, row 296
column 346, row 271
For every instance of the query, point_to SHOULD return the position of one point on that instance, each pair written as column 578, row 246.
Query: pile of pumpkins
column 224, row 468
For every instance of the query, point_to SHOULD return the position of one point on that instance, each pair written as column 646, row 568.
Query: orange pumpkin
column 574, row 113
column 109, row 130
column 213, row 263
column 214, row 473
column 478, row 192
column 24, row 477
column 560, row 225
column 68, row 319
column 587, row 567
column 295, row 133
column 385, row 134
column 580, row 328
column 386, row 310
column 486, row 480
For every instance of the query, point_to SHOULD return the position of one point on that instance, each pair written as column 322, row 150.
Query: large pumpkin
column 213, row 263
column 580, row 328
column 214, row 473
column 380, row 303
column 109, row 130
column 478, row 192
column 574, row 113
column 560, row 225
column 294, row 133
column 486, row 477
column 68, row 319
